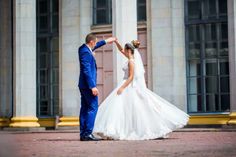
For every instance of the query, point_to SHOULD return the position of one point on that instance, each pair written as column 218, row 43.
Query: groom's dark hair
column 90, row 37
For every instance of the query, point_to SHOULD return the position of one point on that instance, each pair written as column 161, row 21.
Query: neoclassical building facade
column 187, row 46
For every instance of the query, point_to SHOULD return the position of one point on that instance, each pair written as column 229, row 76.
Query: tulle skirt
column 137, row 114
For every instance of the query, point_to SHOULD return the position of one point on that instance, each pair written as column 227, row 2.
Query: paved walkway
column 67, row 144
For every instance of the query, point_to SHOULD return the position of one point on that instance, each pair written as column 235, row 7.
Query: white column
column 149, row 44
column 75, row 25
column 124, row 27
column 232, row 58
column 85, row 9
column 179, row 60
column 167, row 42
column 24, row 64
column 69, row 37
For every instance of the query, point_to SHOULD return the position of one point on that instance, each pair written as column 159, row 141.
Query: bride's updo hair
column 133, row 45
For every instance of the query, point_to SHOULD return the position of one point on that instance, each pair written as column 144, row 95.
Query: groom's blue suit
column 87, row 81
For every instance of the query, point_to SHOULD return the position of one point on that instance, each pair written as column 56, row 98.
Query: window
column 47, row 58
column 141, row 10
column 102, row 12
column 207, row 56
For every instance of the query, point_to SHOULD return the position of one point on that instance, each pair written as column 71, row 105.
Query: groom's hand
column 95, row 91
column 111, row 39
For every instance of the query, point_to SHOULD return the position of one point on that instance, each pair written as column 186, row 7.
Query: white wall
column 166, row 19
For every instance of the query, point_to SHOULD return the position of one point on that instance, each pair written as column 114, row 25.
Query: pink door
column 104, row 60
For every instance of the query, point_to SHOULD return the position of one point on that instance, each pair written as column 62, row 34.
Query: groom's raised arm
column 103, row 42
column 99, row 44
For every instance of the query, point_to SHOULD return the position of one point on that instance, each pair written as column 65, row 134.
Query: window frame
column 201, row 23
column 138, row 7
column 49, row 35
column 108, row 10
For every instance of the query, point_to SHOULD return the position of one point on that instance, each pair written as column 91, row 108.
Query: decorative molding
column 108, row 28
column 101, row 28
column 227, row 119
column 142, row 25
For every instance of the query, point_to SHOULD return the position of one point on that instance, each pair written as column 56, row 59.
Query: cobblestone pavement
column 67, row 144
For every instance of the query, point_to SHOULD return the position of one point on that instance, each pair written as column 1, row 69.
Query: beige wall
column 166, row 41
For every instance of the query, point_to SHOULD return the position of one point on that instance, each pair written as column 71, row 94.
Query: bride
column 132, row 111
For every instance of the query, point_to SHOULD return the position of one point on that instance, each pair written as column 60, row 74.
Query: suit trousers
column 88, row 111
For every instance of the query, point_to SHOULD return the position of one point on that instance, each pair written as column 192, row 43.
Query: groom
column 88, row 85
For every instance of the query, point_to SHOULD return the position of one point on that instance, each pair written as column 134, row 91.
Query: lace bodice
column 126, row 69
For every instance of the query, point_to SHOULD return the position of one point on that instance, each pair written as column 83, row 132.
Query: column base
column 232, row 120
column 68, row 121
column 47, row 122
column 4, row 122
column 209, row 120
column 24, row 122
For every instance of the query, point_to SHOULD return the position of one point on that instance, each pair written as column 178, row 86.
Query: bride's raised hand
column 121, row 49
column 111, row 39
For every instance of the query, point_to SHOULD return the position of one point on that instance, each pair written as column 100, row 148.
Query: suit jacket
column 88, row 66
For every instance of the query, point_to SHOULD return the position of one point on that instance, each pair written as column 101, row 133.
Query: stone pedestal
column 24, row 91
column 124, row 27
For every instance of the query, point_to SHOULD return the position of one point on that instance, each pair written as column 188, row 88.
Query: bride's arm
column 121, row 49
column 130, row 78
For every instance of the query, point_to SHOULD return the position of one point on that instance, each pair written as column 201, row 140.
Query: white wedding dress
column 138, row 113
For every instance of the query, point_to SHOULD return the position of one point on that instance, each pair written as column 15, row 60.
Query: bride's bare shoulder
column 131, row 60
